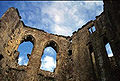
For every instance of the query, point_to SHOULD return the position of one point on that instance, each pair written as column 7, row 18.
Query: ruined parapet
column 14, row 34
column 81, row 57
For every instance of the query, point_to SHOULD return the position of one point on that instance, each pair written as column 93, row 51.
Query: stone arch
column 27, row 38
column 53, row 44
column 30, row 38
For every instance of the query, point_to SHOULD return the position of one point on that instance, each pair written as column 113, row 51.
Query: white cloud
column 59, row 18
column 48, row 63
column 69, row 16
column 22, row 61
column 109, row 50
column 64, row 15
column 110, row 54
column 80, row 23
column 62, row 30
column 56, row 14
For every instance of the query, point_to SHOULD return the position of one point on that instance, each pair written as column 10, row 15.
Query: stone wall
column 15, row 32
column 82, row 61
column 81, row 57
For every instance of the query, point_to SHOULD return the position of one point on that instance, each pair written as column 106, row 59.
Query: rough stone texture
column 81, row 57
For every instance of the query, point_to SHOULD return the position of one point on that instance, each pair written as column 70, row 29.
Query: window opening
column 110, row 55
column 48, row 60
column 109, row 50
column 92, row 29
column 93, row 60
column 25, row 49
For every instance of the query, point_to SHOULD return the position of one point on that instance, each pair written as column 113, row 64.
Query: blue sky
column 109, row 50
column 55, row 17
column 24, row 49
column 48, row 59
column 62, row 18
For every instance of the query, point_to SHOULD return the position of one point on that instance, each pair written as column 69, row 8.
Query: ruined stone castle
column 81, row 57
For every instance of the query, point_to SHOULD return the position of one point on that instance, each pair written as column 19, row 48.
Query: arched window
column 48, row 60
column 25, row 49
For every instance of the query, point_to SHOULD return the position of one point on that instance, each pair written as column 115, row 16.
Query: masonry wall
column 98, row 40
column 112, row 13
column 81, row 57
column 15, row 32
column 107, row 31
column 83, row 70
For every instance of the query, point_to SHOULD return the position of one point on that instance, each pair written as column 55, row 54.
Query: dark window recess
column 93, row 60
column 69, row 52
column 91, row 49
column 92, row 29
column 13, row 30
column 1, row 57
column 8, row 51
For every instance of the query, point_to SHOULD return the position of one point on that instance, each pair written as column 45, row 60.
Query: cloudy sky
column 60, row 18
column 55, row 17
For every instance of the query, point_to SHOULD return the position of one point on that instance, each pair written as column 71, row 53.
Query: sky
column 108, row 50
column 56, row 17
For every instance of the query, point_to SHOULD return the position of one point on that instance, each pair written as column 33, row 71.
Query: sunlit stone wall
column 81, row 57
